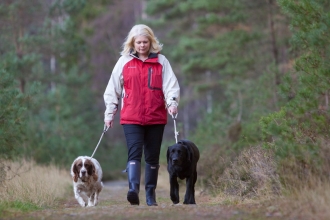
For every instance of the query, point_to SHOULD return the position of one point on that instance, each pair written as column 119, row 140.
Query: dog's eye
column 179, row 151
column 79, row 165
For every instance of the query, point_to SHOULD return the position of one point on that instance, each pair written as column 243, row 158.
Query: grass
column 250, row 183
column 17, row 206
column 256, row 180
column 252, row 175
column 26, row 186
column 307, row 203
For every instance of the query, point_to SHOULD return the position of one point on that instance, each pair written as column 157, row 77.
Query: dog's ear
column 76, row 172
column 94, row 175
column 91, row 169
column 189, row 152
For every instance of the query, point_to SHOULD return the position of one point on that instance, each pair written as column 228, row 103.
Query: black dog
column 182, row 159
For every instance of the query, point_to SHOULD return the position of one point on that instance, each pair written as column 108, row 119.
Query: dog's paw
column 189, row 202
column 82, row 204
column 91, row 203
column 175, row 201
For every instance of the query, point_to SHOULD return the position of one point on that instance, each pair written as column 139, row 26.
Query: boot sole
column 133, row 198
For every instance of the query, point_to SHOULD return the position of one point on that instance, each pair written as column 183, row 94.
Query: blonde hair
column 141, row 30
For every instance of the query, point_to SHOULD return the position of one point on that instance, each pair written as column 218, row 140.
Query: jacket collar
column 151, row 56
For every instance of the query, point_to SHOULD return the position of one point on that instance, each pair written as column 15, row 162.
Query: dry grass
column 250, row 178
column 307, row 203
column 27, row 183
column 254, row 178
column 251, row 175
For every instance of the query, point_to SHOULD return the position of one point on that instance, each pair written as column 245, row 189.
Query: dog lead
column 104, row 130
column 176, row 133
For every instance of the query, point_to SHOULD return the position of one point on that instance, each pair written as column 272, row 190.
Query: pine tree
column 225, row 52
column 301, row 128
column 12, row 119
column 46, row 47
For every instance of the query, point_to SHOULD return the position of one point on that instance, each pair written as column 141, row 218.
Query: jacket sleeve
column 113, row 91
column 171, row 88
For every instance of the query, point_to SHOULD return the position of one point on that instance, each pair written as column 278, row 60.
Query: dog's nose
column 83, row 173
column 175, row 160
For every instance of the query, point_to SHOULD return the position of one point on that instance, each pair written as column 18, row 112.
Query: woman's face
column 142, row 45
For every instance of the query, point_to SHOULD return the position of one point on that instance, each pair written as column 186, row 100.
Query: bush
column 11, row 112
column 252, row 175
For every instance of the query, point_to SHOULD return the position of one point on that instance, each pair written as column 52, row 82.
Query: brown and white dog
column 86, row 173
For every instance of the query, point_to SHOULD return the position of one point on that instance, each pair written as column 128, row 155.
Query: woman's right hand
column 172, row 110
column 108, row 123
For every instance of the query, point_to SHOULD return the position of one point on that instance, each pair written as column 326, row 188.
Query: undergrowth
column 26, row 186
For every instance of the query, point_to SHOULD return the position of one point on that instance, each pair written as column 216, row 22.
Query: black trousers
column 146, row 138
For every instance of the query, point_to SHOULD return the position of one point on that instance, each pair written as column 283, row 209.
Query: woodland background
column 254, row 77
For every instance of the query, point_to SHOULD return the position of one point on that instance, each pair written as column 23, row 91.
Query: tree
column 11, row 116
column 48, row 46
column 301, row 128
column 225, row 52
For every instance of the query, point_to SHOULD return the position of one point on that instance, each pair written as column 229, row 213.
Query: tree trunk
column 273, row 41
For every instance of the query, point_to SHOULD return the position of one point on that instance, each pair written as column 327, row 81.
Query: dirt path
column 113, row 205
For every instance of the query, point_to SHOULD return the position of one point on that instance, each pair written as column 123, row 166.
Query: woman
column 145, row 81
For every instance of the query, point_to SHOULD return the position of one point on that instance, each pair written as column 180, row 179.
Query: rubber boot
column 151, row 177
column 134, row 175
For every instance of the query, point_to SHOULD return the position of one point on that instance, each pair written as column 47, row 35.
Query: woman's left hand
column 172, row 110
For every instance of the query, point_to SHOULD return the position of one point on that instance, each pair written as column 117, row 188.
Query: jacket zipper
column 150, row 80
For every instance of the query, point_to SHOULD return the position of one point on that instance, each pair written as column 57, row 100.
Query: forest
column 254, row 78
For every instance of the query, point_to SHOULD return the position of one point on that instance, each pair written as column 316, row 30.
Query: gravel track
column 113, row 205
